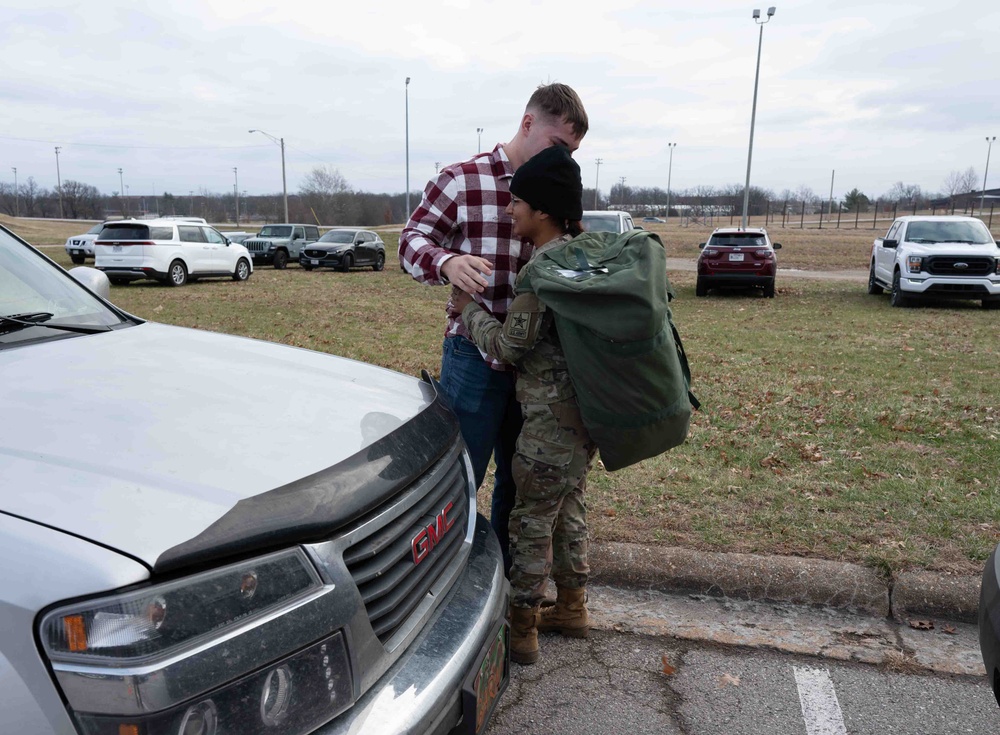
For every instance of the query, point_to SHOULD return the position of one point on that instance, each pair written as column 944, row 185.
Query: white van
column 170, row 251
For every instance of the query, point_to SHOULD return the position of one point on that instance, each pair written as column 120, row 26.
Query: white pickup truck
column 945, row 257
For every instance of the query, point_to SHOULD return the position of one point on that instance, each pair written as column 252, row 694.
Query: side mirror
column 890, row 243
column 228, row 241
column 776, row 245
column 701, row 245
column 97, row 281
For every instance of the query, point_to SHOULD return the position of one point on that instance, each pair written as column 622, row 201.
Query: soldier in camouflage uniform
column 554, row 450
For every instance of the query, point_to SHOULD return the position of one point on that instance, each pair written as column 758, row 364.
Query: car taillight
column 765, row 253
column 710, row 252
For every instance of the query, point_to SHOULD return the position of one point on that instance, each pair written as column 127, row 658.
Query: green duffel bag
column 610, row 296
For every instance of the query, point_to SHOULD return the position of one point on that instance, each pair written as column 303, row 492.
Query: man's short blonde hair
column 559, row 102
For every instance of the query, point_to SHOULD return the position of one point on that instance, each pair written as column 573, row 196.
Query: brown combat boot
column 523, row 635
column 568, row 616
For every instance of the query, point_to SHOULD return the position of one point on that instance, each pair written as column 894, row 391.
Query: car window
column 275, row 231
column 30, row 284
column 892, row 230
column 191, row 233
column 600, row 223
column 338, row 236
column 948, row 231
column 629, row 225
column 738, row 239
column 299, row 232
column 95, row 229
column 213, row 237
column 312, row 233
column 124, row 232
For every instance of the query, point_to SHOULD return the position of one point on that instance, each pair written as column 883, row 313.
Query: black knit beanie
column 550, row 182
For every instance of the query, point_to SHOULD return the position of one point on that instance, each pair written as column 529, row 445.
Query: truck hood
column 952, row 248
column 176, row 445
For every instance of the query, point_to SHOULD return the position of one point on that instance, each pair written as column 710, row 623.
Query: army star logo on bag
column 517, row 324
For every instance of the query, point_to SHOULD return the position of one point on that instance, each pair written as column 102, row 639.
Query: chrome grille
column 383, row 564
column 256, row 246
column 950, row 265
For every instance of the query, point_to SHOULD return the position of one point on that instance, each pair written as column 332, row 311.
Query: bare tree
column 961, row 182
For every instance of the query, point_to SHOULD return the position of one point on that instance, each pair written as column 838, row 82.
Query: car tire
column 242, row 271
column 700, row 289
column 280, row 260
column 896, row 296
column 78, row 259
column 346, row 263
column 873, row 288
column 379, row 262
column 769, row 290
column 177, row 274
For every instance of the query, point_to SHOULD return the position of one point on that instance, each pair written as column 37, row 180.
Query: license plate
column 77, row 252
column 314, row 262
column 116, row 248
column 736, row 257
column 487, row 682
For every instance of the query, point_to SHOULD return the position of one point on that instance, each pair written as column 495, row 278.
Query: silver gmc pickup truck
column 159, row 574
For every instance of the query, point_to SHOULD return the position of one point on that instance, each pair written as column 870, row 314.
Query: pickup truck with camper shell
column 945, row 256
column 163, row 576
column 278, row 244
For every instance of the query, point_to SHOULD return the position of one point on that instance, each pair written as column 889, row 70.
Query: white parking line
column 820, row 707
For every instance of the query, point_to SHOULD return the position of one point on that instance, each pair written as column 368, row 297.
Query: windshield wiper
column 40, row 319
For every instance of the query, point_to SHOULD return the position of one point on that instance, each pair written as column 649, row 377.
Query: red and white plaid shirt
column 462, row 213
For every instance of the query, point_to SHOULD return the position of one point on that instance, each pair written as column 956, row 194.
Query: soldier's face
column 525, row 218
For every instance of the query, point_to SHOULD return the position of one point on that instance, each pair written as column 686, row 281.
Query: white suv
column 945, row 256
column 169, row 251
column 598, row 220
column 81, row 247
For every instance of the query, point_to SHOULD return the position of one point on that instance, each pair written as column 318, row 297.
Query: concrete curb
column 785, row 579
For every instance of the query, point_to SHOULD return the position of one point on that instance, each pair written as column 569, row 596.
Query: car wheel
column 379, row 262
column 78, row 258
column 177, row 274
column 280, row 260
column 700, row 289
column 896, row 297
column 873, row 288
column 769, row 290
column 242, row 271
column 346, row 263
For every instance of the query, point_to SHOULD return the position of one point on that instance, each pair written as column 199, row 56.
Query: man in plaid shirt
column 461, row 236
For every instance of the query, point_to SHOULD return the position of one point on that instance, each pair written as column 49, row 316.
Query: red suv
column 737, row 258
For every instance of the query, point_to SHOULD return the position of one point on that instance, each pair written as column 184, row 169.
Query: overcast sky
column 879, row 92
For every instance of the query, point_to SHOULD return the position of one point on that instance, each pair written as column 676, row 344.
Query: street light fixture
column 407, row 94
column 17, row 194
column 597, row 178
column 59, row 183
column 479, row 147
column 670, row 169
column 753, row 113
column 989, row 143
column 284, row 185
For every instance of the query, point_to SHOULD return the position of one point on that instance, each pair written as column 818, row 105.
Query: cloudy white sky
column 879, row 92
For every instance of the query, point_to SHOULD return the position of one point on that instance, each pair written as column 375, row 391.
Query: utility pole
column 406, row 92
column 121, row 192
column 597, row 179
column 989, row 142
column 479, row 144
column 59, row 183
column 623, row 191
column 17, row 194
column 670, row 170
column 236, row 194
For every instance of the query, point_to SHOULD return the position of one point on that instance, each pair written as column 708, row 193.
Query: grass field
column 833, row 426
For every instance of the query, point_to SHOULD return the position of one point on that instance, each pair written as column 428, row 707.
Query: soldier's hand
column 459, row 300
column 466, row 272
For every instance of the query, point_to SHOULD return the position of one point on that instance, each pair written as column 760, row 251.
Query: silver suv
column 163, row 575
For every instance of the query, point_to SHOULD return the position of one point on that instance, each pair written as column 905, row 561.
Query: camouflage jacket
column 527, row 340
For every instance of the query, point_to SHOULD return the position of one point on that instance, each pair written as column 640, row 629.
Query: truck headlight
column 151, row 622
column 914, row 263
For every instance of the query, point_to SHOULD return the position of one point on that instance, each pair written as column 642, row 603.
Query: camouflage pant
column 548, row 526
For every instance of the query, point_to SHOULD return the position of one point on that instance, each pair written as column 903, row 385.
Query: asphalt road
column 688, row 264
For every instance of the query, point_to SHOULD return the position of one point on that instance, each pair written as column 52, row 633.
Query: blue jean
column 490, row 420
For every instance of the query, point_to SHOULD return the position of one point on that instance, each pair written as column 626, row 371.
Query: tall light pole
column 479, row 145
column 59, row 183
column 121, row 191
column 622, row 179
column 989, row 143
column 753, row 113
column 236, row 194
column 284, row 185
column 597, row 179
column 670, row 169
column 17, row 194
column 407, row 94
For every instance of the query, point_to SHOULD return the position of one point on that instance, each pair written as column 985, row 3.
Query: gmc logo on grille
column 431, row 536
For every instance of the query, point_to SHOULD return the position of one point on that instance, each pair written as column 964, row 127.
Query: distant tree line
column 326, row 198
